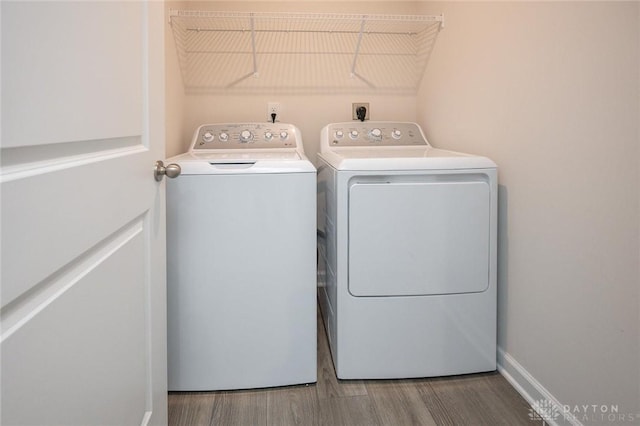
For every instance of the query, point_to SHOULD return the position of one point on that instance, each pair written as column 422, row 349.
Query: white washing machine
column 407, row 253
column 241, row 269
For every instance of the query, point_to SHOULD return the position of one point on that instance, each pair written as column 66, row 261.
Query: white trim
column 530, row 388
column 28, row 170
column 146, row 418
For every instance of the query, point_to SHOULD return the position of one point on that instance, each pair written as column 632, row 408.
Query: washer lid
column 221, row 156
column 402, row 158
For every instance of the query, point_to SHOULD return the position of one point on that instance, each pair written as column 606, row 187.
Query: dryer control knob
column 224, row 137
column 268, row 136
column 396, row 134
column 207, row 137
column 353, row 134
column 339, row 134
column 376, row 134
column 284, row 135
column 246, row 136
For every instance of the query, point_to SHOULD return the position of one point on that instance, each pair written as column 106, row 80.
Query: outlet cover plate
column 355, row 106
column 274, row 107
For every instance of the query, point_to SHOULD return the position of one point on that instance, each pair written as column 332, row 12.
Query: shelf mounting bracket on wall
column 254, row 72
column 355, row 56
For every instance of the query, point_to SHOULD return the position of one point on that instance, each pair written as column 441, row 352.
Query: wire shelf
column 302, row 52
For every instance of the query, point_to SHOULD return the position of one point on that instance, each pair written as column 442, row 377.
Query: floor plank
column 348, row 411
column 293, row 406
column 187, row 408
column 240, row 408
column 399, row 403
column 476, row 399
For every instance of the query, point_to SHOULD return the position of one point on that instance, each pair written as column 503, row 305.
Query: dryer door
column 409, row 238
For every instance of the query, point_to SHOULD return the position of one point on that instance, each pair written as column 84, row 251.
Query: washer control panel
column 376, row 134
column 245, row 136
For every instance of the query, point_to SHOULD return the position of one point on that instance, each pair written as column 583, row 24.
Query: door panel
column 66, row 210
column 93, row 325
column 418, row 238
column 83, row 313
column 71, row 71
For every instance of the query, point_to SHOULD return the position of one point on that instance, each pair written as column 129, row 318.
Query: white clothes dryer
column 241, row 248
column 407, row 253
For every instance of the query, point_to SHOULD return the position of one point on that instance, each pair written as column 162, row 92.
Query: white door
column 83, row 297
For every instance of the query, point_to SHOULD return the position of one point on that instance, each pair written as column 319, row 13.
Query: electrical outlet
column 274, row 108
column 354, row 109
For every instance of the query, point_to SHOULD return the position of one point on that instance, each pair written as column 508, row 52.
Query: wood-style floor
column 477, row 399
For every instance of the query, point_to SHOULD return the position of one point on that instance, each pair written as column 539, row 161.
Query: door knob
column 171, row 170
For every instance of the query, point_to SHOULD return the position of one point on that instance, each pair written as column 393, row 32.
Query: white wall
column 174, row 94
column 550, row 91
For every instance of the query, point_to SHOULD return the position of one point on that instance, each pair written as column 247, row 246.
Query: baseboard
column 533, row 392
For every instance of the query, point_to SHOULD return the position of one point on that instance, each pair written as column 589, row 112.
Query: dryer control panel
column 375, row 133
column 245, row 136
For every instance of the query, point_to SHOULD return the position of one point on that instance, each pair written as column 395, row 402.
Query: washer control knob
column 376, row 134
column 339, row 134
column 284, row 135
column 268, row 136
column 353, row 134
column 207, row 137
column 224, row 137
column 246, row 136
column 396, row 134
